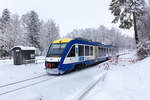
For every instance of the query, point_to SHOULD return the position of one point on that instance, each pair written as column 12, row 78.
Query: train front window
column 56, row 49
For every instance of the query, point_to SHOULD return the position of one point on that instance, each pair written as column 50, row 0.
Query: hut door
column 18, row 57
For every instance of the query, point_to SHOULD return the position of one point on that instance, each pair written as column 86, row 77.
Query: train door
column 96, row 53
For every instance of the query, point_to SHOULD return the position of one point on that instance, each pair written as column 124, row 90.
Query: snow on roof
column 25, row 48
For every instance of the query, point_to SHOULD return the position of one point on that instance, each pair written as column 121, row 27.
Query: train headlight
column 48, row 65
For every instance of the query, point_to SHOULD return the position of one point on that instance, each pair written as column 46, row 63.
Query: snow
column 25, row 48
column 11, row 73
column 127, row 82
column 124, row 81
column 63, row 87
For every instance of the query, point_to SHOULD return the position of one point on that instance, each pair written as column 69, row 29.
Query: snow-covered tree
column 104, row 35
column 9, row 30
column 5, row 21
column 74, row 34
column 32, row 24
column 143, row 27
column 15, row 36
column 123, row 11
column 52, row 31
column 49, row 32
column 103, row 31
column 28, row 30
column 143, row 50
column 5, row 24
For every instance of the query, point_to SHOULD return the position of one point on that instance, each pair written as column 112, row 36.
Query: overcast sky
column 69, row 14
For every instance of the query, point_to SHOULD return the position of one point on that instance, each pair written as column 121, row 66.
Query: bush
column 143, row 49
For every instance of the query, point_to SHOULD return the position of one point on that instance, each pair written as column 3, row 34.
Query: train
column 65, row 55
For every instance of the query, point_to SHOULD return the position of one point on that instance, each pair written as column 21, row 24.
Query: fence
column 36, row 61
column 114, row 61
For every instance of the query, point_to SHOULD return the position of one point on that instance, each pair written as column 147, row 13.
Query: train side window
column 101, row 49
column 81, row 50
column 110, row 51
column 87, row 50
column 104, row 51
column 72, row 52
column 99, row 52
column 107, row 51
column 91, row 51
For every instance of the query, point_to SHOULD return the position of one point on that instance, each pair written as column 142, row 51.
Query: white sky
column 69, row 14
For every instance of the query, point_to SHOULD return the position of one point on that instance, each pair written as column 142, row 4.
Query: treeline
column 30, row 30
column 104, row 35
column 27, row 30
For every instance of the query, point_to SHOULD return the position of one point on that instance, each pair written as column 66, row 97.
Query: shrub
column 143, row 49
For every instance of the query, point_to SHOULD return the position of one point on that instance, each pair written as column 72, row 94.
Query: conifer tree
column 126, row 13
column 5, row 20
column 33, row 28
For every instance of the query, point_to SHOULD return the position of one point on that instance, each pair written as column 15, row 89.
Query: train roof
column 83, row 41
column 65, row 40
column 94, row 43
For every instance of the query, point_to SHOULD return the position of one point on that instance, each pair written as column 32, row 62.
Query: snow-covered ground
column 124, row 81
column 65, row 87
column 11, row 73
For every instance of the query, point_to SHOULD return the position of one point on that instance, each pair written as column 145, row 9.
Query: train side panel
column 68, row 63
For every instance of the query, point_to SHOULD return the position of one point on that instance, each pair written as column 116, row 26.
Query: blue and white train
column 65, row 55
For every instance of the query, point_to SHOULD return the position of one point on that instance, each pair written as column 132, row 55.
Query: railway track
column 18, row 85
column 22, row 81
column 91, row 86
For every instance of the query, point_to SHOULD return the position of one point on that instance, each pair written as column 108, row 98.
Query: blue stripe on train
column 71, row 66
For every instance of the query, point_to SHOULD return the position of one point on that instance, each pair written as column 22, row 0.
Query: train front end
column 54, row 56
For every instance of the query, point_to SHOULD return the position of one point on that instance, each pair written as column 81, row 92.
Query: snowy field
column 124, row 81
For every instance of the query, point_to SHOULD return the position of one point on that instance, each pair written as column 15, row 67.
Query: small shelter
column 23, row 55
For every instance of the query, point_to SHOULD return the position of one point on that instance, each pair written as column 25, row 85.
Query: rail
column 22, row 81
column 22, row 84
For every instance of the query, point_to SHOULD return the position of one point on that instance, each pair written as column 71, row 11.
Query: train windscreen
column 56, row 49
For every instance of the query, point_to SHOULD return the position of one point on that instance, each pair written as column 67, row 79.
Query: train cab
column 55, row 53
